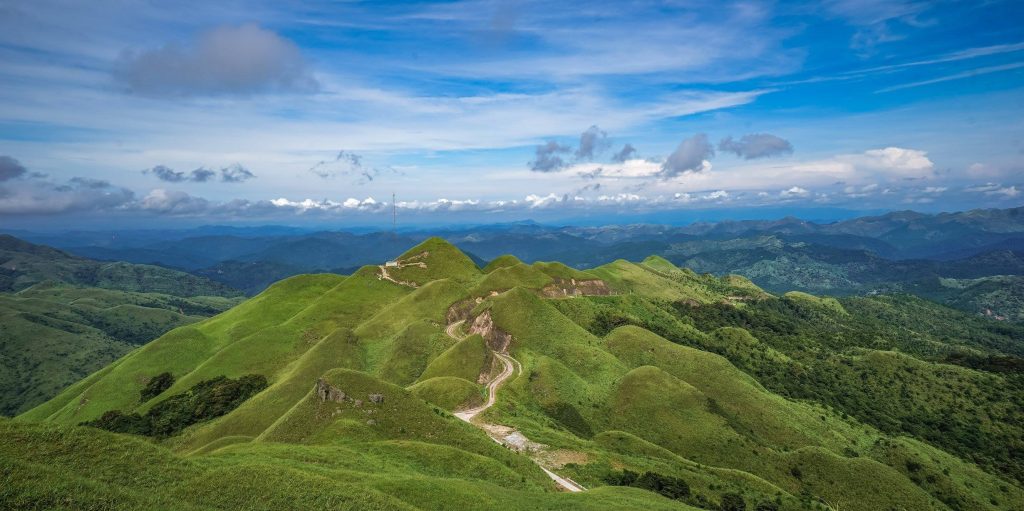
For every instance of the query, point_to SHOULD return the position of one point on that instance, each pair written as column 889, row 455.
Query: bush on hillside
column 155, row 386
column 668, row 486
column 206, row 400
column 733, row 502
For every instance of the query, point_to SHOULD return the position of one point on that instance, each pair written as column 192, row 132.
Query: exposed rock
column 519, row 443
column 496, row 339
column 326, row 392
column 377, row 398
column 461, row 310
column 562, row 288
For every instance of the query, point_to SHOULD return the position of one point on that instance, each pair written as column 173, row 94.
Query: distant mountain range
column 900, row 251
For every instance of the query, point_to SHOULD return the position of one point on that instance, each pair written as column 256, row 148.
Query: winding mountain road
column 509, row 366
column 492, row 389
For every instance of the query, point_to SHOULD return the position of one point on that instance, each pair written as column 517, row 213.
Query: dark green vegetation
column 671, row 487
column 714, row 393
column 205, row 400
column 63, row 318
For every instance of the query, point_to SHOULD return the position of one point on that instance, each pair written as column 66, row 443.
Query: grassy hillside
column 63, row 318
column 668, row 394
column 52, row 336
column 23, row 264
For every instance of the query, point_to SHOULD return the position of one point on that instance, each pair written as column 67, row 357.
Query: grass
column 466, row 360
column 61, row 467
column 449, row 392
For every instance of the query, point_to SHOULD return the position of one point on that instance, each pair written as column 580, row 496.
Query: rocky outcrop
column 326, row 392
column 462, row 310
column 496, row 339
column 563, row 288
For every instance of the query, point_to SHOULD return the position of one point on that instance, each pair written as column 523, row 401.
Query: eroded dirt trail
column 502, row 434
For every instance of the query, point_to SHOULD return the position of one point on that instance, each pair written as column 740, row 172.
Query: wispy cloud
column 958, row 76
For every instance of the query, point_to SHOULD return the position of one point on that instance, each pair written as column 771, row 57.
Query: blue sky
column 138, row 113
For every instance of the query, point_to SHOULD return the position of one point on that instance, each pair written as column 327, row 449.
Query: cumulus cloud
column 547, row 158
column 202, row 175
column 592, row 141
column 627, row 152
column 690, row 156
column 241, row 60
column 165, row 173
column 235, row 173
column 10, row 168
column 794, row 192
column 898, row 161
column 756, row 145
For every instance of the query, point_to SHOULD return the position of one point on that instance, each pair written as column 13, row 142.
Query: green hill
column 23, row 264
column 651, row 386
column 63, row 318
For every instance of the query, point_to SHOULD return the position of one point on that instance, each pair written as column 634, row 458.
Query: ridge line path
column 509, row 368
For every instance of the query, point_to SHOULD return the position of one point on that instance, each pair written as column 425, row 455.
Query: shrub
column 733, row 502
column 155, row 386
column 206, row 400
column 668, row 486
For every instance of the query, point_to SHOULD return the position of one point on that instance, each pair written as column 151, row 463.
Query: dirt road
column 509, row 366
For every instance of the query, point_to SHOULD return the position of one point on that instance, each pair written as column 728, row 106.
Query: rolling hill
column 64, row 317
column 645, row 384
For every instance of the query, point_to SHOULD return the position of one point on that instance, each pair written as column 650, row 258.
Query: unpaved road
column 453, row 330
column 492, row 389
column 509, row 366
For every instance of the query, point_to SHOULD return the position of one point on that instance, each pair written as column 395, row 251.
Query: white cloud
column 897, row 161
column 795, row 191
